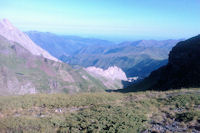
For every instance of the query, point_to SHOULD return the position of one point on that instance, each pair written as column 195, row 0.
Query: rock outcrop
column 183, row 68
column 113, row 72
column 112, row 78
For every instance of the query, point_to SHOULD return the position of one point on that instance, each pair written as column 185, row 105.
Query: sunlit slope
column 21, row 72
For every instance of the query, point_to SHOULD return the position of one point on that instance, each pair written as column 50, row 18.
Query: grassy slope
column 45, row 75
column 100, row 112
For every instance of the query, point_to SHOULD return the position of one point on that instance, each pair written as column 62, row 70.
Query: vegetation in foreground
column 150, row 111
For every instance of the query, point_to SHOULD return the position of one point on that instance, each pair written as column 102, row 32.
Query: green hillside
column 21, row 73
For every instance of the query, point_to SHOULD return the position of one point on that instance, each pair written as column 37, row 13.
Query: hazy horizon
column 115, row 39
column 112, row 20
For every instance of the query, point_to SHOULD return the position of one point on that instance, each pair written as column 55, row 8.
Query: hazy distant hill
column 59, row 45
column 137, row 58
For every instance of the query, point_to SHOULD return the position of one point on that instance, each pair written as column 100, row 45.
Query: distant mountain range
column 59, row 45
column 25, row 68
column 138, row 58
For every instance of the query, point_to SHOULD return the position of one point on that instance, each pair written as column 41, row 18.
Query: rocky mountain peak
column 7, row 24
column 11, row 33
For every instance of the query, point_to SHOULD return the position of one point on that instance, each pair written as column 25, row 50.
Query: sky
column 117, row 19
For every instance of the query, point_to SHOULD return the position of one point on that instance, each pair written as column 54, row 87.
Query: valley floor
column 150, row 111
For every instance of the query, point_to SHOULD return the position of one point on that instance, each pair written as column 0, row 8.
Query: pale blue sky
column 136, row 19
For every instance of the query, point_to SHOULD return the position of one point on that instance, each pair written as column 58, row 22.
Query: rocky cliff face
column 112, row 73
column 11, row 33
column 112, row 77
column 183, row 68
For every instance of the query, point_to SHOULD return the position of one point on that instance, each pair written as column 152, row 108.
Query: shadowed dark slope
column 182, row 70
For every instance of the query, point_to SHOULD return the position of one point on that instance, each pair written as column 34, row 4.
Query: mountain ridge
column 10, row 32
column 104, row 54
